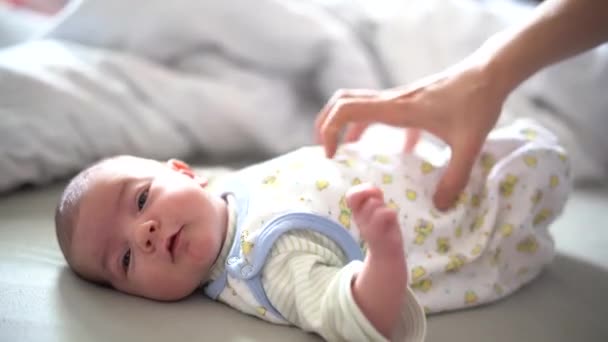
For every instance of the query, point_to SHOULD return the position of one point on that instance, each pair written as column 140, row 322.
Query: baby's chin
column 169, row 291
column 167, row 296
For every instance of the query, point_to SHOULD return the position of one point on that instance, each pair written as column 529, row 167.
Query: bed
column 41, row 300
column 117, row 81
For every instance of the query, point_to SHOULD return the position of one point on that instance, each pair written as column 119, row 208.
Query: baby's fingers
column 384, row 219
column 357, row 195
column 383, row 234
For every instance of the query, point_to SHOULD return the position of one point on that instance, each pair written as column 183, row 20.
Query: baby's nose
column 148, row 236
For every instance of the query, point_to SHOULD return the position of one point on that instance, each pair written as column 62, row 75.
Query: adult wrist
column 497, row 66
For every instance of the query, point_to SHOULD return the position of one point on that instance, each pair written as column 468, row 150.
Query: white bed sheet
column 41, row 300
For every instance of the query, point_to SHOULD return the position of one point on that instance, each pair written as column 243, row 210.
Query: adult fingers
column 338, row 95
column 322, row 115
column 392, row 111
column 412, row 136
column 330, row 129
column 455, row 176
column 354, row 131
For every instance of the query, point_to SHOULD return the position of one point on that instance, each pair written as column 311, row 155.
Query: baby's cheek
column 177, row 289
column 199, row 252
column 168, row 285
column 196, row 251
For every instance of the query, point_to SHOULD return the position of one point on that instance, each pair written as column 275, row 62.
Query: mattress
column 41, row 300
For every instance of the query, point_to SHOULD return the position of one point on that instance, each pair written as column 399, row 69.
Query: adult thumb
column 455, row 177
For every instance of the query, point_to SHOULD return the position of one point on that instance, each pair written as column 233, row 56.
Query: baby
column 321, row 243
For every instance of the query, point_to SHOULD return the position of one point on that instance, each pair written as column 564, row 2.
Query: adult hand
column 459, row 105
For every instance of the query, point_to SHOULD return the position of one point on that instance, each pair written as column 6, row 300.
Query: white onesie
column 494, row 240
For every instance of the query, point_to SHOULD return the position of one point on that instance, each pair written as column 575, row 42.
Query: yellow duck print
column 411, row 194
column 475, row 201
column 529, row 134
column 461, row 200
column 342, row 204
column 476, row 250
column 542, row 216
column 487, row 162
column 381, row 158
column 344, row 218
column 528, row 245
column 495, row 257
column 417, row 273
column 269, row 180
column 347, row 162
column 261, row 310
column 423, row 285
column 508, row 185
column 345, row 213
column 506, row 230
column 426, row 167
column 470, row 297
column 393, row 205
column 387, row 179
column 458, row 231
column 356, row 181
column 456, row 262
column 423, row 229
column 246, row 246
column 478, row 222
column 443, row 245
column 554, row 181
column 537, row 197
column 531, row 161
column 321, row 184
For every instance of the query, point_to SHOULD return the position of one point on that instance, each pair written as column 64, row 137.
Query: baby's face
column 148, row 229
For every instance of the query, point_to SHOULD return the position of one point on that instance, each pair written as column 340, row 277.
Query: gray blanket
column 235, row 79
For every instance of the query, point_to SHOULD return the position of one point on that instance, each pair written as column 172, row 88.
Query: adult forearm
column 558, row 29
column 380, row 288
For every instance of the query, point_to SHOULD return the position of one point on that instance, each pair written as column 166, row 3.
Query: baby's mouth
column 173, row 243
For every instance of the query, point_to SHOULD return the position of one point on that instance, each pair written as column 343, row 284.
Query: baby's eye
column 141, row 200
column 126, row 260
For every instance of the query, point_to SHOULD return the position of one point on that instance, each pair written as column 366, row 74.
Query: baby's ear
column 183, row 168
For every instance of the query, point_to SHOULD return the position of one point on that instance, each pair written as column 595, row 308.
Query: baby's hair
column 69, row 205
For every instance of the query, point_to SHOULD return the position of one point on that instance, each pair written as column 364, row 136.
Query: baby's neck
column 223, row 213
column 224, row 222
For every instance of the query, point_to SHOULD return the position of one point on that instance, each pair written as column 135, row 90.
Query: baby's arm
column 380, row 288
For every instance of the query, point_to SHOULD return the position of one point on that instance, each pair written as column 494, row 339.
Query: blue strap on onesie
column 239, row 267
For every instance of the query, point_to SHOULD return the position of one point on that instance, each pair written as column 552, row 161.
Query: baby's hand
column 381, row 285
column 378, row 224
